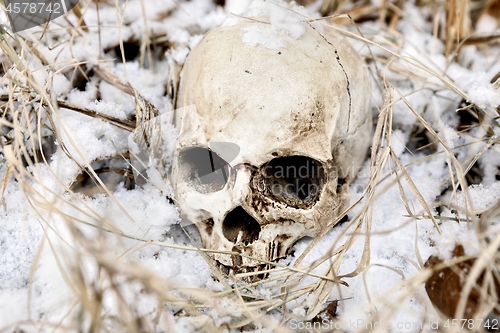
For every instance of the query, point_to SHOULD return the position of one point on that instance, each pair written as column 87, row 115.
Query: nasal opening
column 237, row 222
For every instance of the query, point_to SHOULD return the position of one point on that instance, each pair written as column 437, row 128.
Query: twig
column 128, row 125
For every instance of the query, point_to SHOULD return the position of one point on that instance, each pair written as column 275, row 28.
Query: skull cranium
column 300, row 117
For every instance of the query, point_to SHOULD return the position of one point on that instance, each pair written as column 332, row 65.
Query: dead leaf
column 328, row 314
column 444, row 287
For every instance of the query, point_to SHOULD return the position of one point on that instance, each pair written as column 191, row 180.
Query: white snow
column 277, row 21
column 486, row 24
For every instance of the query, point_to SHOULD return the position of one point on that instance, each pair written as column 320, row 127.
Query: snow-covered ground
column 62, row 251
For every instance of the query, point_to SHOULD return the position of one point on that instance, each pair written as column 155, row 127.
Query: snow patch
column 277, row 22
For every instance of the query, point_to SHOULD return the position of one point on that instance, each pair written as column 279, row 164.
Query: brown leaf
column 493, row 8
column 327, row 314
column 444, row 287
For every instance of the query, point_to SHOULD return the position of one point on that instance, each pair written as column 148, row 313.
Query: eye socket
column 204, row 169
column 296, row 181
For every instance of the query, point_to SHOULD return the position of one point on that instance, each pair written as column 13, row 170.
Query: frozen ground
column 56, row 247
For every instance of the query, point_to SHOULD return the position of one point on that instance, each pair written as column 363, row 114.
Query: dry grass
column 30, row 126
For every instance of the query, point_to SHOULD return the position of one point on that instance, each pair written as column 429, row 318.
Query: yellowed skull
column 270, row 136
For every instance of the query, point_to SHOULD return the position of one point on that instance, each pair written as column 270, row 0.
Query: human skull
column 282, row 132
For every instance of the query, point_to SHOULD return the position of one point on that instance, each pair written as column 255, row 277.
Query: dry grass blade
column 458, row 24
column 116, row 82
column 417, row 194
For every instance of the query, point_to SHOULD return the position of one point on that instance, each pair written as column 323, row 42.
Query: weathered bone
column 301, row 106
